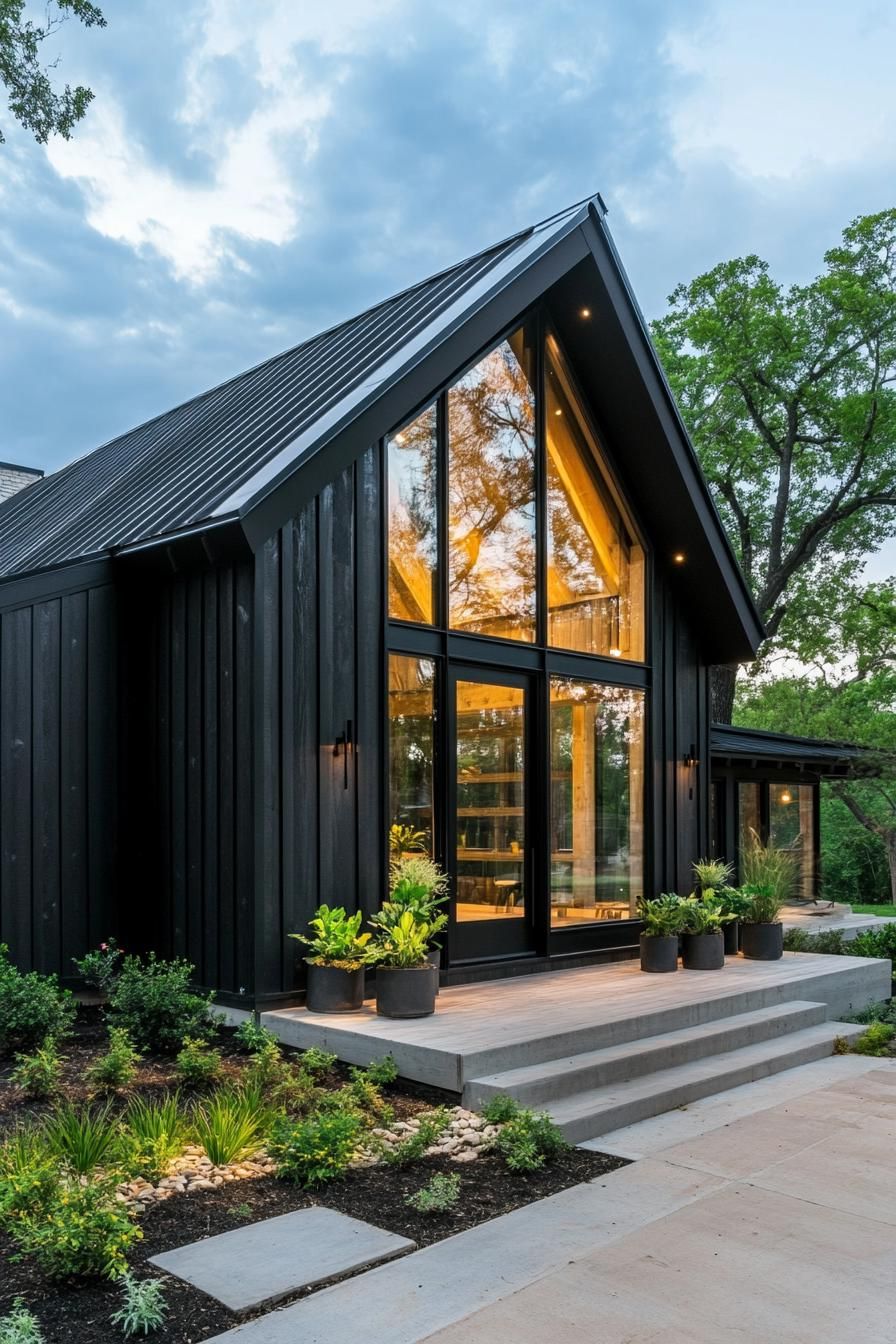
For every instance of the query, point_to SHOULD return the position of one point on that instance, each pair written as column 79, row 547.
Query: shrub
column 430, row 1127
column 314, row 1151
column 876, row 1040
column 19, row 1326
column 284, row 1084
column 155, row 1133
column 153, row 1002
column 440, row 1195
column 528, row 1140
column 82, row 1232
column 233, row 1124
column 498, row 1110
column 829, row 942
column 82, row 1139
column 876, row 1012
column 33, row 1009
column 118, row 1066
column 252, row 1037
column 381, row 1071
column 28, row 1174
column 316, row 1060
column 38, row 1075
column 879, row 942
column 100, row 969
column 197, row 1064
column 144, row 1306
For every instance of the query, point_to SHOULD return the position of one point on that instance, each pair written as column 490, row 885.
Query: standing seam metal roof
column 176, row 470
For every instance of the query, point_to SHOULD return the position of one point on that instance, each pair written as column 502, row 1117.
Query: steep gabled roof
column 245, row 453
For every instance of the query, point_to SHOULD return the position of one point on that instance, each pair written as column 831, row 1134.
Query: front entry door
column 490, row 837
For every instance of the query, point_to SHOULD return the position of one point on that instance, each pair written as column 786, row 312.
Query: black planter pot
column 659, row 955
column 731, row 935
column 703, row 951
column 333, row 990
column 762, row 942
column 406, row 991
column 435, row 956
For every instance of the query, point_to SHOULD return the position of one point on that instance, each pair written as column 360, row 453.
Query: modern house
column 446, row 574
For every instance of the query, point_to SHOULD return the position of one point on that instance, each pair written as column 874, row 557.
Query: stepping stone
column 256, row 1266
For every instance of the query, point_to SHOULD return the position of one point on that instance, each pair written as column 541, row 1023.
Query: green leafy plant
column 830, row 942
column 885, row 1011
column 380, row 1071
column 118, row 1066
column 402, row 838
column 252, row 1037
column 733, row 902
column 197, row 1064
column 769, row 868
column 876, row 1040
column 81, row 1232
column 664, row 916
column 84, row 1138
column 153, row 1002
column 704, row 913
column 29, row 1174
column 317, row 1061
column 100, row 968
column 498, row 1110
column 316, row 1150
column 38, row 1075
column 762, row 904
column 155, row 1132
column 33, row 1008
column 336, row 938
column 232, row 1124
column 403, row 944
column 528, row 1140
column 440, row 1195
column 144, row 1308
column 417, row 884
column 431, row 1125
column 712, row 874
column 20, row 1326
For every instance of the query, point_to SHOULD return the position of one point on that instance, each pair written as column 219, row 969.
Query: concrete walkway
column 775, row 1223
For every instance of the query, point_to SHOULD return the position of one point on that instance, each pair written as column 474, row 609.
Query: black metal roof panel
column 187, row 465
column 754, row 744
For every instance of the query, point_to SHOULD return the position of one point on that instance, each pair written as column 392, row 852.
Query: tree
column 789, row 397
column 850, row 697
column 33, row 101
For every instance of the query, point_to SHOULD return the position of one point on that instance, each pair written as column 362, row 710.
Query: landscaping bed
column 361, row 1142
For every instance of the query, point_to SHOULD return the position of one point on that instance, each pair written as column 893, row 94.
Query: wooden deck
column 485, row 1028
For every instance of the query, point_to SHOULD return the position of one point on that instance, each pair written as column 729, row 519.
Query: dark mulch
column 376, row 1194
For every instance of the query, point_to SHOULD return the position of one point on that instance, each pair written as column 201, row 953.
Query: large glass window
column 595, row 568
column 412, row 456
column 491, row 495
column 749, row 814
column 597, row 801
column 411, row 725
column 791, row 827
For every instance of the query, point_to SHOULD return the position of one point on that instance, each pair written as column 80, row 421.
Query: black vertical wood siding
column 319, row 658
column 58, row 776
column 191, row 767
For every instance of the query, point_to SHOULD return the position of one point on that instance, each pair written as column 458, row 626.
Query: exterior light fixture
column 692, row 760
column 343, row 743
column 679, row 558
column 586, row 312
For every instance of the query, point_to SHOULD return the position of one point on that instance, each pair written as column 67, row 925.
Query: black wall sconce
column 344, row 743
column 691, row 762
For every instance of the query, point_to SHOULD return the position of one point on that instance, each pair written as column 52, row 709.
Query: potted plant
column 762, row 933
column 335, row 961
column 703, row 946
column 418, row 885
column 714, row 876
column 663, row 922
column 406, row 978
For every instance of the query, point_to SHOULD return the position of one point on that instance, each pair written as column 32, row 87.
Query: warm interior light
column 615, row 653
column 785, row 797
column 400, row 440
column 586, row 312
column 558, row 411
column 678, row 558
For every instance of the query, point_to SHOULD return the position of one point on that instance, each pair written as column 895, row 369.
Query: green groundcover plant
column 118, row 1066
column 39, row 1075
column 144, row 1308
column 33, row 1008
column 79, row 1230
column 19, row 1326
column 316, row 1150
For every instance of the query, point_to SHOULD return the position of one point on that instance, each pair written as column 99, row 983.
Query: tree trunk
column 721, row 685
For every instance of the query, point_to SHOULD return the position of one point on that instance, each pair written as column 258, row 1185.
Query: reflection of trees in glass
column 413, row 547
column 491, row 495
column 411, row 705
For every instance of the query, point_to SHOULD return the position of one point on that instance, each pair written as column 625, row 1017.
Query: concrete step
column 596, row 1111
column 542, row 1084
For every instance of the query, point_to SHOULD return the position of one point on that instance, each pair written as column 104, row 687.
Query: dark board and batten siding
column 197, row 837
column 319, row 665
column 58, row 781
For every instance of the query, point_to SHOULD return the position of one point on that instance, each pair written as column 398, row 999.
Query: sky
column 250, row 173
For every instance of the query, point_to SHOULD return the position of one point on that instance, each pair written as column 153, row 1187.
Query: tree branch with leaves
column 32, row 99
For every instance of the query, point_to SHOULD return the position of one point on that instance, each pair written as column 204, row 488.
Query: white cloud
column 783, row 89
